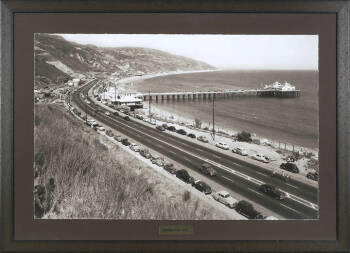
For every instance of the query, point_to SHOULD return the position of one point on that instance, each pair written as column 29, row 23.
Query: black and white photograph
column 176, row 127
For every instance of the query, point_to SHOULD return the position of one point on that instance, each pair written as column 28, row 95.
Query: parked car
column 225, row 198
column 206, row 168
column 145, row 153
column 139, row 117
column 222, row 145
column 160, row 128
column 171, row 128
column 246, row 209
column 109, row 133
column 282, row 176
column 170, row 168
column 157, row 161
column 260, row 158
column 165, row 126
column 272, row 191
column 291, row 167
column 115, row 113
column 184, row 176
column 202, row 186
column 181, row 131
column 312, row 176
column 134, row 147
column 107, row 113
column 240, row 151
column 127, row 118
column 118, row 138
column 100, row 128
column 191, row 135
column 202, row 139
column 125, row 142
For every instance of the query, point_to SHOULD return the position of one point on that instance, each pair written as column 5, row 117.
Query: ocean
column 289, row 120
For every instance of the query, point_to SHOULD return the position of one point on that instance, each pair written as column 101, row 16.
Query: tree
column 198, row 123
column 244, row 136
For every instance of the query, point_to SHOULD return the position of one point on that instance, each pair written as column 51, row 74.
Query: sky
column 221, row 51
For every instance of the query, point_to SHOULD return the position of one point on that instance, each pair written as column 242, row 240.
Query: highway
column 237, row 175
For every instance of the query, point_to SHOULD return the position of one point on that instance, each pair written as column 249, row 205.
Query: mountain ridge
column 58, row 60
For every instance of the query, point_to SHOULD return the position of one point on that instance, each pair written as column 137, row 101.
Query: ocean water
column 290, row 120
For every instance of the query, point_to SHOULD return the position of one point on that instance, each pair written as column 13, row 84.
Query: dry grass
column 93, row 183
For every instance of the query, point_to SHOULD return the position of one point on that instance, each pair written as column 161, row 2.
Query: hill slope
column 57, row 60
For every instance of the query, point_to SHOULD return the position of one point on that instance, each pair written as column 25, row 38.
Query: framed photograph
column 192, row 126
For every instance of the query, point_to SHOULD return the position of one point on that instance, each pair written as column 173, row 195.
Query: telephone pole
column 213, row 117
column 149, row 103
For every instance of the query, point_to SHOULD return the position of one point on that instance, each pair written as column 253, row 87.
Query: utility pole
column 213, row 117
column 149, row 103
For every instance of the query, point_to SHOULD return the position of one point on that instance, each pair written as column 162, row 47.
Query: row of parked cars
column 243, row 207
column 181, row 131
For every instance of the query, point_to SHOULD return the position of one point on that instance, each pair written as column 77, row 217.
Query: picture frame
column 16, row 235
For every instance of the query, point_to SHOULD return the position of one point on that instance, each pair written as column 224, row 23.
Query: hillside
column 57, row 60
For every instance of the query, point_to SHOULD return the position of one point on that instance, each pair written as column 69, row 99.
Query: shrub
column 244, row 136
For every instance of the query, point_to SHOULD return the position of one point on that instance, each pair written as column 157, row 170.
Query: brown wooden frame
column 340, row 8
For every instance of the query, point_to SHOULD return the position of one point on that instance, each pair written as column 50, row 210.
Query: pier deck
column 209, row 94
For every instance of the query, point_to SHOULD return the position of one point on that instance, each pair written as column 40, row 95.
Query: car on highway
column 158, row 161
column 260, row 158
column 222, row 145
column 202, row 139
column 225, row 198
column 291, row 167
column 272, row 191
column 202, row 186
column 181, row 131
column 184, row 176
column 145, row 153
column 312, row 176
column 206, row 168
column 170, row 168
column 160, row 128
column 117, row 138
column 240, row 151
column 109, row 133
column 107, row 113
column 125, row 142
column 100, row 128
column 171, row 128
column 246, row 209
column 126, row 118
column 191, row 135
column 134, row 147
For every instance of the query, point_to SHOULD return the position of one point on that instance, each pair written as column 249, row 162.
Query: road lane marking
column 261, row 173
column 250, row 189
column 296, row 187
column 290, row 208
column 228, row 178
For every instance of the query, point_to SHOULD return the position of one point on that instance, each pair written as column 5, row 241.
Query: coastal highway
column 241, row 177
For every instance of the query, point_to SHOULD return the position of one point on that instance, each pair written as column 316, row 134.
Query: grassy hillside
column 57, row 59
column 92, row 182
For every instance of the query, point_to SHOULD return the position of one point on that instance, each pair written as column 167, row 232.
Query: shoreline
column 183, row 120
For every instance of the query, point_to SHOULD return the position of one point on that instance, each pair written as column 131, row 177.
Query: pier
column 158, row 96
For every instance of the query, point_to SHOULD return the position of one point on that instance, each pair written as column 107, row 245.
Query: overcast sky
column 221, row 51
